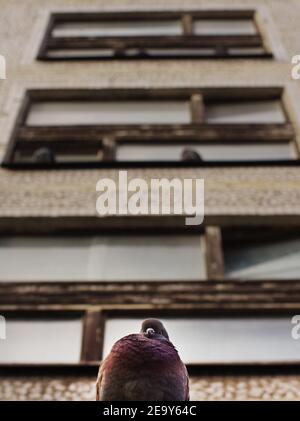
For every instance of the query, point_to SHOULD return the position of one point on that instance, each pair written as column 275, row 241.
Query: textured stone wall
column 244, row 191
column 202, row 388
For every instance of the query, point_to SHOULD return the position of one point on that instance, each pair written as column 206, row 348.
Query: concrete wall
column 216, row 388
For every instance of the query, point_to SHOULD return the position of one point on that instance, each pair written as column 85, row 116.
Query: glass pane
column 154, row 258
column 133, row 52
column 219, row 339
column 272, row 260
column 118, row 29
column 180, row 52
column 246, row 51
column 58, row 158
column 84, row 52
column 224, row 27
column 64, row 158
column 42, row 341
column 216, row 152
column 46, row 258
column 110, row 112
column 94, row 258
column 259, row 112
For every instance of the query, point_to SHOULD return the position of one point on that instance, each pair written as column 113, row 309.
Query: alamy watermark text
column 155, row 197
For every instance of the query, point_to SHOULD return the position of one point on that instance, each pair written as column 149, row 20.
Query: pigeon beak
column 149, row 332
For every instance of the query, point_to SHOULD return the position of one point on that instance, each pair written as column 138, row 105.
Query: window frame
column 215, row 283
column 94, row 333
column 97, row 300
column 211, row 234
column 199, row 233
column 107, row 137
column 91, row 336
column 152, row 229
column 188, row 313
column 118, row 44
column 243, row 236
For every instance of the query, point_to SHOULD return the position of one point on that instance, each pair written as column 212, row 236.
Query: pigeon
column 143, row 367
column 43, row 156
column 189, row 155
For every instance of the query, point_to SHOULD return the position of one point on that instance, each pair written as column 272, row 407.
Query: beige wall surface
column 241, row 191
column 216, row 388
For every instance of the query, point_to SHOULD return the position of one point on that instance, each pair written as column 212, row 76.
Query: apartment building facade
column 191, row 89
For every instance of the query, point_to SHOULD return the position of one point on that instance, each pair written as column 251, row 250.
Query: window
column 108, row 113
column 94, row 128
column 230, row 323
column 102, row 258
column 218, row 339
column 153, row 255
column 61, row 338
column 263, row 255
column 114, row 29
column 144, row 35
column 224, row 26
column 211, row 153
column 42, row 341
column 248, row 112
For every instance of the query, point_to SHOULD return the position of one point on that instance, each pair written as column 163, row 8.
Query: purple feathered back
column 142, row 369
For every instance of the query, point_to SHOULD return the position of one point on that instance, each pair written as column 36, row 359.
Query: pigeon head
column 44, row 156
column 154, row 329
column 191, row 155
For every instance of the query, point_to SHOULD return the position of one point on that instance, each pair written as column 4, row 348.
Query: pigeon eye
column 150, row 331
